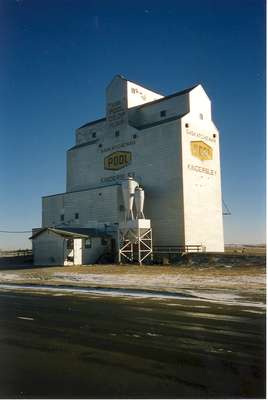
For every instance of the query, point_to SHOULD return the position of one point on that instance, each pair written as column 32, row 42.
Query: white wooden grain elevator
column 169, row 146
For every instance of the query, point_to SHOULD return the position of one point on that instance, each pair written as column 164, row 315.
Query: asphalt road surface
column 62, row 346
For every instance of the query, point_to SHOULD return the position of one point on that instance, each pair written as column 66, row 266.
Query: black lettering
column 122, row 159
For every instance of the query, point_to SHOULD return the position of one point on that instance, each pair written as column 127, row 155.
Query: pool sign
column 117, row 160
column 201, row 150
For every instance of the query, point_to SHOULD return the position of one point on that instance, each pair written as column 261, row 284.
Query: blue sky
column 58, row 56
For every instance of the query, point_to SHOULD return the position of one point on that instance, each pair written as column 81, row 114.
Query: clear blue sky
column 56, row 58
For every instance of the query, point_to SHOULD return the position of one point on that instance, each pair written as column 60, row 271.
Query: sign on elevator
column 117, row 160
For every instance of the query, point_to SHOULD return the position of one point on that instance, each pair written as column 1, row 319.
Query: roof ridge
column 92, row 122
column 180, row 93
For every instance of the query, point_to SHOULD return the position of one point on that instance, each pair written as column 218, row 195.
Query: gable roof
column 180, row 93
column 92, row 122
column 72, row 232
column 156, row 123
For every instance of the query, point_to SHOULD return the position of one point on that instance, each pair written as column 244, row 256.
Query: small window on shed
column 62, row 217
column 163, row 113
column 76, row 215
column 88, row 243
column 104, row 242
column 94, row 134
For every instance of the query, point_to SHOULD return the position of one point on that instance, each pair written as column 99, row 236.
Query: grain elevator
column 169, row 147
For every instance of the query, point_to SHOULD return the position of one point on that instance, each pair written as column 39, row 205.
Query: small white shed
column 69, row 246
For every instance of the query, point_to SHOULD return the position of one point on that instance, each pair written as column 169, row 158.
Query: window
column 76, row 215
column 88, row 243
column 201, row 116
column 100, row 145
column 163, row 113
column 94, row 134
column 104, row 242
column 134, row 136
column 186, row 125
column 214, row 135
column 117, row 133
column 62, row 217
column 121, row 207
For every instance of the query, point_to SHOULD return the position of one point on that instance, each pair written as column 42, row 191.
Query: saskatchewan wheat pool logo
column 201, row 150
column 117, row 160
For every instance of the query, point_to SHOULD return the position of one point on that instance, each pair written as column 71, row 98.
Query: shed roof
column 72, row 232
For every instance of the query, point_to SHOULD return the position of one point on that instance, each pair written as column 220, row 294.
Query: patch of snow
column 215, row 297
column 9, row 277
column 254, row 311
column 157, row 281
column 152, row 334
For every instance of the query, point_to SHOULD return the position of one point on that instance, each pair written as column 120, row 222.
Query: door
column 69, row 251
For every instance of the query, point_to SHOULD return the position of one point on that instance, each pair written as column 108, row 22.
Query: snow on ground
column 148, row 279
column 216, row 297
column 9, row 277
column 230, row 285
column 156, row 281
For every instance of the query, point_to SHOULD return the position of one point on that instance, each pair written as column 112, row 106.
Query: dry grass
column 259, row 250
column 148, row 277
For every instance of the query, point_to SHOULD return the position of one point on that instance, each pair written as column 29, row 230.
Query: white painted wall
column 200, row 103
column 99, row 205
column 150, row 113
column 48, row 249
column 156, row 166
column 201, row 178
column 137, row 95
column 90, row 132
column 78, row 251
column 91, row 255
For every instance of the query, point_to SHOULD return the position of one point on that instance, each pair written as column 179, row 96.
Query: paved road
column 59, row 346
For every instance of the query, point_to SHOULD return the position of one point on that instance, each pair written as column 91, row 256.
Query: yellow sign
column 117, row 160
column 201, row 150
